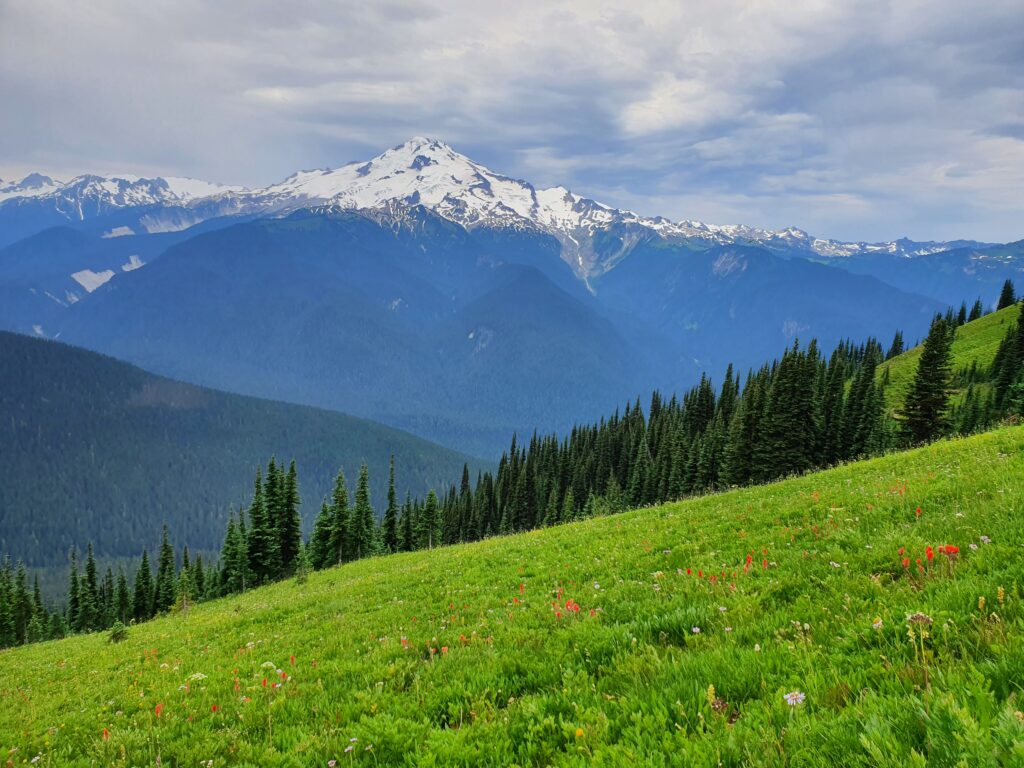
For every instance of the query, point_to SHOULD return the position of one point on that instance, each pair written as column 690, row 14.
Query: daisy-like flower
column 877, row 623
column 728, row 629
column 722, row 609
column 696, row 630
column 331, row 763
column 795, row 697
column 986, row 540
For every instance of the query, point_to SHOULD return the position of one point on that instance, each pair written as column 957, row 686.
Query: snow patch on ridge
column 92, row 280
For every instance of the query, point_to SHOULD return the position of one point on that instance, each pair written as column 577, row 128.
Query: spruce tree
column 429, row 523
column 89, row 596
column 926, row 410
column 389, row 532
column 1007, row 297
column 122, row 598
column 142, row 600
column 321, row 553
column 165, row 591
column 290, row 528
column 896, row 348
column 264, row 552
column 363, row 527
column 977, row 310
column 341, row 545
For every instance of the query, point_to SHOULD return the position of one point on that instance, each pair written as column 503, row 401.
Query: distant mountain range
column 98, row 450
column 421, row 289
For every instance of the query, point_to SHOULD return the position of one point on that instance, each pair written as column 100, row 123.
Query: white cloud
column 866, row 119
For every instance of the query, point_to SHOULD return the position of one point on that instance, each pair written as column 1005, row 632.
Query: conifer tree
column 142, row 601
column 166, row 584
column 122, row 598
column 925, row 412
column 429, row 523
column 896, row 348
column 977, row 310
column 263, row 546
column 363, row 527
column 407, row 526
column 341, row 544
column 321, row 553
column 88, row 596
column 290, row 528
column 1007, row 297
column 389, row 528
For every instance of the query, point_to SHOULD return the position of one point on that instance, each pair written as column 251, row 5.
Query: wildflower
column 986, row 540
column 906, row 562
column 596, row 585
column 920, row 618
column 794, row 697
column 331, row 763
column 349, row 748
column 522, row 588
column 579, row 733
column 292, row 659
column 689, row 572
column 929, row 553
column 214, row 708
column 264, row 682
column 159, row 709
column 950, row 550
column 106, row 734
column 728, row 629
column 444, row 649
column 918, row 511
column 757, row 647
column 973, row 546
column 722, row 609
column 877, row 623
column 1000, row 595
column 981, row 604
column 696, row 630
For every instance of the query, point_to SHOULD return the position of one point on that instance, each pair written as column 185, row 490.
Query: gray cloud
column 860, row 120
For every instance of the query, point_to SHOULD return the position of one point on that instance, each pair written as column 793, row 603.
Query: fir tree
column 122, row 598
column 165, row 590
column 429, row 523
column 389, row 528
column 341, row 544
column 1007, row 297
column 977, row 310
column 142, row 600
column 925, row 412
column 290, row 527
column 363, row 528
column 321, row 553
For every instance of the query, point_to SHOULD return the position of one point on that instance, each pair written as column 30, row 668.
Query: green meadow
column 799, row 623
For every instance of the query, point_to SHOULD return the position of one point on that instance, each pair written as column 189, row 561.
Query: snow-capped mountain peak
column 33, row 185
column 428, row 172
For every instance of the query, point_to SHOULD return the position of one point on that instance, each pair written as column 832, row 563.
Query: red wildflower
column 764, row 563
column 106, row 735
column 159, row 709
column 558, row 614
column 929, row 553
column 689, row 572
column 522, row 588
column 284, row 675
column 214, row 708
column 264, row 682
column 918, row 511
column 906, row 562
column 293, row 661
column 515, row 600
column 444, row 649
column 902, row 550
column 700, row 574
column 951, row 549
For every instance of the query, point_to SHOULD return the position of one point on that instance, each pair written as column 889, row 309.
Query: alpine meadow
column 409, row 461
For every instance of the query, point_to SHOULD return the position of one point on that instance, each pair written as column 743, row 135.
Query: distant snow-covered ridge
column 430, row 173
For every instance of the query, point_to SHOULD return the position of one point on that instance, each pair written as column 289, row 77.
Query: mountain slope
column 404, row 318
column 97, row 450
column 975, row 343
column 476, row 655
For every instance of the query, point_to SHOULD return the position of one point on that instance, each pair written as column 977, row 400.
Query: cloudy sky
column 858, row 120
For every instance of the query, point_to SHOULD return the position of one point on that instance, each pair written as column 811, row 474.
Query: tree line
column 801, row 412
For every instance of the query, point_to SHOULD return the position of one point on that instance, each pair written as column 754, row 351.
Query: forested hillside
column 97, row 450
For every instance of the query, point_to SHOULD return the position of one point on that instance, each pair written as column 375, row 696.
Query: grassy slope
column 978, row 340
column 625, row 684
